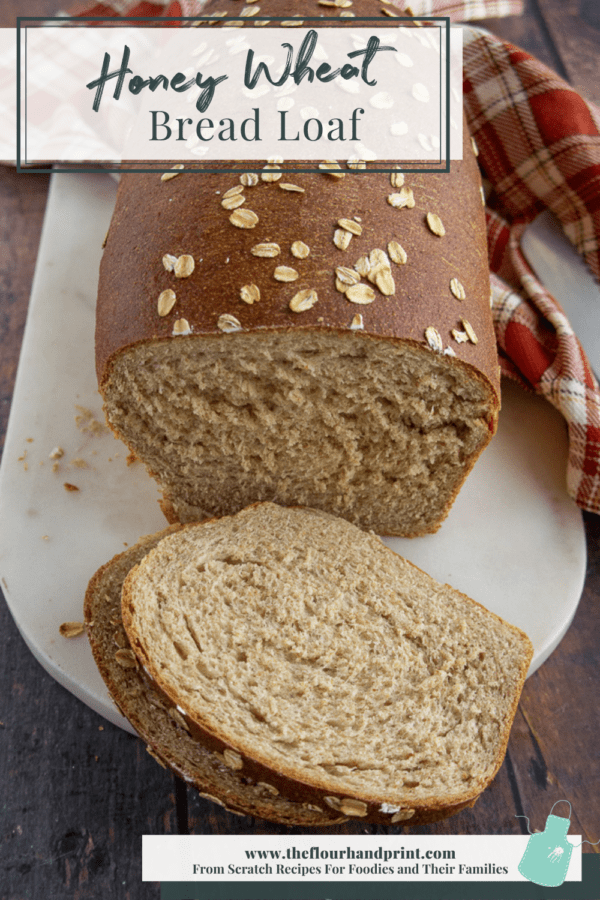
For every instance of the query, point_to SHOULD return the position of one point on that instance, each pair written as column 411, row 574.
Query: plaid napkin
column 539, row 148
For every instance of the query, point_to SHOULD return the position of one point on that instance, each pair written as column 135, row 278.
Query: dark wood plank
column 528, row 31
column 22, row 204
column 554, row 742
column 562, row 714
column 10, row 9
column 537, row 786
column 78, row 792
column 574, row 27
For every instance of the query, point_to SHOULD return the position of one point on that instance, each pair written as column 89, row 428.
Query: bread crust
column 132, row 275
column 304, row 797
column 184, row 216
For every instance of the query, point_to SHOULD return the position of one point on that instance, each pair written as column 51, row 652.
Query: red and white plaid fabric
column 539, row 148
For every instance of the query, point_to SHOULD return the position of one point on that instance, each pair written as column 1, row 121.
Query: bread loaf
column 313, row 663
column 325, row 344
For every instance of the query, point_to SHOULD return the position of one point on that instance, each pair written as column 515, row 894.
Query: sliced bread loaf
column 156, row 720
column 330, row 346
column 306, row 659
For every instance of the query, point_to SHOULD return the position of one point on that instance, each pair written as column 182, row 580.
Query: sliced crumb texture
column 311, row 648
column 381, row 434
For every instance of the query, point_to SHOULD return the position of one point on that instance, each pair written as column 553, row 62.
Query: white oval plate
column 514, row 540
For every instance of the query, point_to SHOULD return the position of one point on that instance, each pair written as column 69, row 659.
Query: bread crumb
column 45, row 537
column 70, row 487
column 55, row 467
column 79, row 463
column 87, row 422
column 29, row 440
column 56, row 453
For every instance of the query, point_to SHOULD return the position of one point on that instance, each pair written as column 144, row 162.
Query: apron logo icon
column 548, row 854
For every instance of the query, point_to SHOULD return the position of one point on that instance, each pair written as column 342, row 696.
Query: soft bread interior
column 309, row 646
column 381, row 433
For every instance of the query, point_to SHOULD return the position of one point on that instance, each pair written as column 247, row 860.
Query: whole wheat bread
column 232, row 391
column 308, row 660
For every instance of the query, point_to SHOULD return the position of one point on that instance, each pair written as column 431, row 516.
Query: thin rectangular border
column 389, row 890
column 24, row 168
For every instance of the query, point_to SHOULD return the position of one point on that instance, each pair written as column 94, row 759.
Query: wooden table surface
column 78, row 793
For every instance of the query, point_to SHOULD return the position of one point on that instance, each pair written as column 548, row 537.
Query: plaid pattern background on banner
column 539, row 148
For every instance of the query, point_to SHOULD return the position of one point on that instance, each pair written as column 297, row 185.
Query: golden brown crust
column 168, row 510
column 133, row 276
column 184, row 216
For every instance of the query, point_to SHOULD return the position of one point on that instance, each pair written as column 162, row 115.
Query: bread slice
column 314, row 662
column 165, row 731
